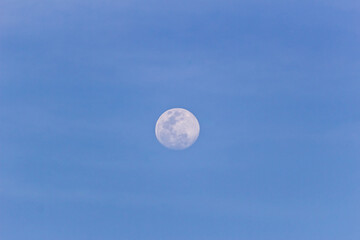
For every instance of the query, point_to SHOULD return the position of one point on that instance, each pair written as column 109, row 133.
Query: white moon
column 177, row 128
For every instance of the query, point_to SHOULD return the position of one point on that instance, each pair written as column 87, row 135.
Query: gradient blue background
column 275, row 86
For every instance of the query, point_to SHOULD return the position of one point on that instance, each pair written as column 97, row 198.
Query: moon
column 177, row 129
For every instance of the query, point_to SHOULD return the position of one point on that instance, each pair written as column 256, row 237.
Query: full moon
column 177, row 129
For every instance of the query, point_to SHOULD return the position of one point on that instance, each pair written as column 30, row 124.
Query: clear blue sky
column 275, row 86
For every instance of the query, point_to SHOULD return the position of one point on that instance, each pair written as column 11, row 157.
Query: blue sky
column 275, row 86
